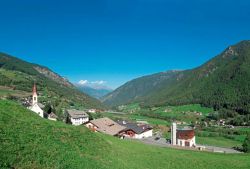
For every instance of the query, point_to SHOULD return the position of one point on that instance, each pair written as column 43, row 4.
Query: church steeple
column 34, row 95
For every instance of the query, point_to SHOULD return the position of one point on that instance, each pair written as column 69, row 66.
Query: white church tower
column 35, row 107
column 173, row 134
column 34, row 95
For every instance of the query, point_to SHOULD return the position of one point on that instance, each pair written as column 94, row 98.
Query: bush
column 246, row 144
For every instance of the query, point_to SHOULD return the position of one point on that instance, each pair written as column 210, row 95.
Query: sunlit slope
column 222, row 82
column 28, row 141
column 20, row 75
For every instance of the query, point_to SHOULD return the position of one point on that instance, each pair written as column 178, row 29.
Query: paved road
column 220, row 149
column 162, row 143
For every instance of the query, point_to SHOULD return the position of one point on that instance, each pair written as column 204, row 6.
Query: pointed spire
column 34, row 89
column 34, row 95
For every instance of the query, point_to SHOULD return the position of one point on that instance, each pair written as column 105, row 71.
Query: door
column 187, row 144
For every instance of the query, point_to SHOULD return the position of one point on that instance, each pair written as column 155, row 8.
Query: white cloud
column 83, row 82
column 89, row 83
column 100, row 82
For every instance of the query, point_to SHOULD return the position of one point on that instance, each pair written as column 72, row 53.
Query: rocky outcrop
column 53, row 76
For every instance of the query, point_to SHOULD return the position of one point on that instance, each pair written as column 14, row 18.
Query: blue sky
column 118, row 40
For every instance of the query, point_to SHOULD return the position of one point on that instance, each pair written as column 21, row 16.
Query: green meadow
column 164, row 115
column 28, row 141
column 218, row 141
column 136, row 117
column 186, row 113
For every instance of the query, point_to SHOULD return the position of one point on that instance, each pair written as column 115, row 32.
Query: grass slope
column 218, row 141
column 27, row 141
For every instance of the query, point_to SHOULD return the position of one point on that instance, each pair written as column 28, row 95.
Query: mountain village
column 139, row 84
column 104, row 125
column 183, row 137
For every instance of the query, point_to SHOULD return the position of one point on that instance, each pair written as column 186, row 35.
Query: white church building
column 35, row 105
column 184, row 137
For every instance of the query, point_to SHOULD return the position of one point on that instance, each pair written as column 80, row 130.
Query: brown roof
column 185, row 134
column 53, row 115
column 108, row 126
column 77, row 113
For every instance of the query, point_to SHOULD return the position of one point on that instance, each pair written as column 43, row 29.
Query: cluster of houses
column 184, row 137
column 120, row 128
column 105, row 125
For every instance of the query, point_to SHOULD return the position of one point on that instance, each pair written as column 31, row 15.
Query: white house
column 35, row 106
column 136, row 130
column 184, row 137
column 77, row 117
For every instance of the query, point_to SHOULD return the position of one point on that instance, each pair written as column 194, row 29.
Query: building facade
column 77, row 117
column 136, row 130
column 184, row 137
column 34, row 104
column 173, row 134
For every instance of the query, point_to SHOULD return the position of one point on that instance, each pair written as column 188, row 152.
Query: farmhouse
column 35, row 106
column 105, row 125
column 184, row 137
column 52, row 116
column 77, row 117
column 92, row 110
column 136, row 130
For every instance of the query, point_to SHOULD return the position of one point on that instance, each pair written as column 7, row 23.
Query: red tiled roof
column 185, row 134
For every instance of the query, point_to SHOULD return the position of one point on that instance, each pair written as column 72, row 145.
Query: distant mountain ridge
column 222, row 82
column 96, row 92
column 136, row 89
column 21, row 75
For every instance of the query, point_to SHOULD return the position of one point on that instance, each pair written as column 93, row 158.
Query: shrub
column 246, row 144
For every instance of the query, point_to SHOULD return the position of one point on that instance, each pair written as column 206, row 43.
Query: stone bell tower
column 34, row 95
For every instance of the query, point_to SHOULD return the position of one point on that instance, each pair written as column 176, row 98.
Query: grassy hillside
column 222, row 82
column 19, row 75
column 28, row 141
column 218, row 141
